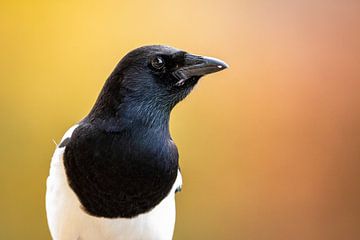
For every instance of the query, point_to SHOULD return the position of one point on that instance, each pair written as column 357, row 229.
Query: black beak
column 197, row 66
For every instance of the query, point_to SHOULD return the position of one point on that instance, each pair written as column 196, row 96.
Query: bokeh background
column 270, row 148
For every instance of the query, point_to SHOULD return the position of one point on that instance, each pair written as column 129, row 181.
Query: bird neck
column 114, row 113
column 146, row 115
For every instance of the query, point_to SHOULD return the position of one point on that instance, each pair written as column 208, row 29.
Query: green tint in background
column 269, row 148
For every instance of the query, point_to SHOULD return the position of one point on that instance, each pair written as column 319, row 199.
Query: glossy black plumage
column 121, row 161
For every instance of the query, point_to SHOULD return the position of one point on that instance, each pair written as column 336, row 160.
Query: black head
column 163, row 72
column 154, row 78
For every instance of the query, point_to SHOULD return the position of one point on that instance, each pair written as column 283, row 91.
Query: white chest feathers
column 68, row 221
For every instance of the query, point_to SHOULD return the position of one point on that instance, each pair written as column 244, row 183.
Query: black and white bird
column 115, row 173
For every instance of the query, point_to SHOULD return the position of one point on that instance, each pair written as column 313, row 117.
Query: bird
column 115, row 173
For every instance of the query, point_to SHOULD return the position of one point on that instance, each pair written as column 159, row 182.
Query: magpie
column 115, row 173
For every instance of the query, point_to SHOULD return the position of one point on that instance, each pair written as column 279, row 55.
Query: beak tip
column 223, row 65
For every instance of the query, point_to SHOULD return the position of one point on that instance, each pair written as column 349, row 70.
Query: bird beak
column 197, row 66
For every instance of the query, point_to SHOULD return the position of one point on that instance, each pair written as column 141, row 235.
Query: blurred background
column 269, row 148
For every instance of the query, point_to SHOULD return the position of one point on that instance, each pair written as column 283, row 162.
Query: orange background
column 269, row 148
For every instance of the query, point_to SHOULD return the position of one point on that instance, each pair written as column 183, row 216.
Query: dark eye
column 158, row 63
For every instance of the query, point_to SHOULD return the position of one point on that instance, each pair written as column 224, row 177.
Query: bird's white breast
column 68, row 221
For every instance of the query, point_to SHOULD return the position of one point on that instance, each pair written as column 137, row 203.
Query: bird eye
column 158, row 63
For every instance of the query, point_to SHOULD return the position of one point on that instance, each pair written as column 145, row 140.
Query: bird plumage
column 68, row 220
column 115, row 173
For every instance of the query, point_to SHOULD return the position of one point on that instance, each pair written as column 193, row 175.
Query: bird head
column 153, row 79
column 163, row 74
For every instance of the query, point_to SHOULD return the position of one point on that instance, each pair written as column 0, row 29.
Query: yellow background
column 269, row 148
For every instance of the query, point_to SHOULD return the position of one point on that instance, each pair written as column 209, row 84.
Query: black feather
column 121, row 160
